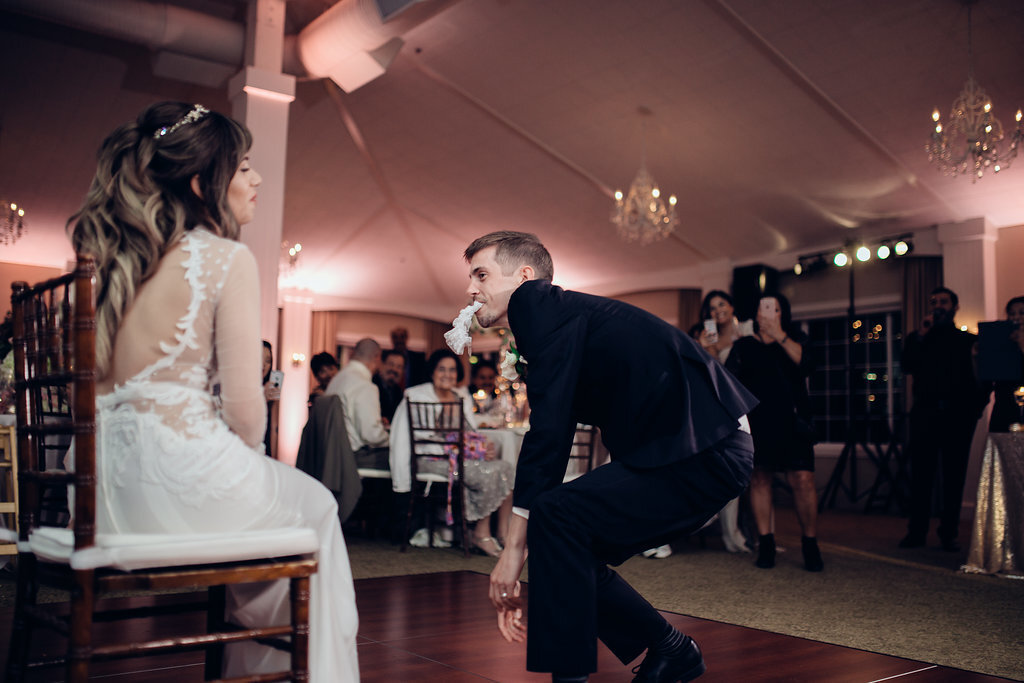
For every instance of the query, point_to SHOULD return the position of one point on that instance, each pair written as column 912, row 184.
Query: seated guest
column 483, row 386
column 390, row 383
column 1005, row 410
column 175, row 308
column 415, row 361
column 488, row 481
column 324, row 368
column 360, row 401
column 272, row 394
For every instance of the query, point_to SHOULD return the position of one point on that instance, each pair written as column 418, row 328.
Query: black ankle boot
column 812, row 555
column 766, row 551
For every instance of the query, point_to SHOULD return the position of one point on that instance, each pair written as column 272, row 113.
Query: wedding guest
column 389, row 383
column 672, row 419
column 773, row 364
column 415, row 361
column 483, row 386
column 1005, row 410
column 488, row 481
column 272, row 394
column 324, row 367
column 360, row 402
column 718, row 307
column 175, row 310
column 947, row 402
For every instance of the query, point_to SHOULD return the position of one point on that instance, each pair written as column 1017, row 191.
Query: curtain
column 689, row 308
column 325, row 333
column 921, row 274
column 434, row 333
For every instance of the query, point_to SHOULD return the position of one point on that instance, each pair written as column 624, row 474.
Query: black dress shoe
column 812, row 554
column 765, row 551
column 912, row 541
column 659, row 668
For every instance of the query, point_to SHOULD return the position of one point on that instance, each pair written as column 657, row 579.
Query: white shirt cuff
column 522, row 512
column 744, row 424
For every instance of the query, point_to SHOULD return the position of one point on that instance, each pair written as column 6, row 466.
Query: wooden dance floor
column 440, row 627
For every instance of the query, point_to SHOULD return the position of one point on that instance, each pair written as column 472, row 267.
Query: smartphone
column 768, row 308
column 711, row 328
column 276, row 378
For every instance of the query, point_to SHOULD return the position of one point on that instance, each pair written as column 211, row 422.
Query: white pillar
column 260, row 97
column 969, row 268
column 296, row 338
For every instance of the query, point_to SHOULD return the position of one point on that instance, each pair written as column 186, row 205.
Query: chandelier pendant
column 13, row 226
column 642, row 214
column 972, row 140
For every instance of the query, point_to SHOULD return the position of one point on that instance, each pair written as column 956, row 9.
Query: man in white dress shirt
column 360, row 400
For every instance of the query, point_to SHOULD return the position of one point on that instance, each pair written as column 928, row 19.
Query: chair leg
column 408, row 518
column 216, row 597
column 460, row 503
column 300, row 628
column 21, row 629
column 80, row 627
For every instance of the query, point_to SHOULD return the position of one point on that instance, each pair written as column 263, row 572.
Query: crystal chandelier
column 642, row 215
column 970, row 142
column 13, row 222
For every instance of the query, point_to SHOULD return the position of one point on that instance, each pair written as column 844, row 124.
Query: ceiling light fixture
column 970, row 142
column 642, row 214
column 13, row 226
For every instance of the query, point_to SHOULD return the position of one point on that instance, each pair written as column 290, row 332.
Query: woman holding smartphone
column 773, row 365
column 720, row 331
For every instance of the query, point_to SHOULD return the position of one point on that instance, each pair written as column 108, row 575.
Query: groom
column 671, row 418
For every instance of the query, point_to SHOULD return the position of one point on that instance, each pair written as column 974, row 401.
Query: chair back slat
column 433, row 428
column 54, row 326
column 581, row 457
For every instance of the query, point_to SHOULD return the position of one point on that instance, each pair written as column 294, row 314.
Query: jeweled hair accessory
column 198, row 112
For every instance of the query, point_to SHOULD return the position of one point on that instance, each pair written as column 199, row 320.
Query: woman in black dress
column 773, row 365
column 1005, row 410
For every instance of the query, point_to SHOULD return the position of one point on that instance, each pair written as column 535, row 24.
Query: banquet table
column 997, row 538
column 508, row 441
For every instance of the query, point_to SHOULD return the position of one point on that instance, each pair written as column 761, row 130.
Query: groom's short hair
column 513, row 250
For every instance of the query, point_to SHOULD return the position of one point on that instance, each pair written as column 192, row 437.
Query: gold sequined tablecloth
column 997, row 539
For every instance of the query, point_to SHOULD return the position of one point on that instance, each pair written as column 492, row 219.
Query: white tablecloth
column 508, row 441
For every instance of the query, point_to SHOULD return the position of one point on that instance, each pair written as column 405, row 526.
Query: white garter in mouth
column 458, row 338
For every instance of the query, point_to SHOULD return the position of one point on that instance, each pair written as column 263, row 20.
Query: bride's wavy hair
column 141, row 201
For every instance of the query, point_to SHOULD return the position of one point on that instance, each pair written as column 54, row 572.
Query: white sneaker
column 659, row 553
column 419, row 539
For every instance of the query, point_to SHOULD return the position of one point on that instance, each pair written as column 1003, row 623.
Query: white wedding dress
column 173, row 458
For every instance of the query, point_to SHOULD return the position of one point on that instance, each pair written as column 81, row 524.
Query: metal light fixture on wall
column 972, row 139
column 13, row 226
column 642, row 214
column 290, row 254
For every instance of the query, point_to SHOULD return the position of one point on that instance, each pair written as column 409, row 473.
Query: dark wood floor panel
column 441, row 627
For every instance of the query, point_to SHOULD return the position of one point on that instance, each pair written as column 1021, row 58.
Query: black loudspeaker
column 749, row 284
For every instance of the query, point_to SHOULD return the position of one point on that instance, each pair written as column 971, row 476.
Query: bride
column 176, row 318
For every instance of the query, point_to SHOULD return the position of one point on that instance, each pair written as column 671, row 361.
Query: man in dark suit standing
column 673, row 420
column 938, row 360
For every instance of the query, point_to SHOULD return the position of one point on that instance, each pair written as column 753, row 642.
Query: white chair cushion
column 368, row 473
column 144, row 551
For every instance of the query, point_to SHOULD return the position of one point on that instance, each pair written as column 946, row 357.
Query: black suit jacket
column 655, row 394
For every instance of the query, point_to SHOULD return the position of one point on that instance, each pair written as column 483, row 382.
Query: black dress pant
column 940, row 442
column 606, row 517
